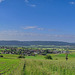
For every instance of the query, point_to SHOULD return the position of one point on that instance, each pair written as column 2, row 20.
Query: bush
column 48, row 57
column 56, row 59
column 21, row 56
column 1, row 55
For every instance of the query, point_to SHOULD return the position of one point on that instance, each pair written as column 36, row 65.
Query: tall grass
column 11, row 65
column 49, row 67
column 37, row 65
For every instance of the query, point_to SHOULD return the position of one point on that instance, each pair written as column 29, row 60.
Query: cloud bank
column 24, row 36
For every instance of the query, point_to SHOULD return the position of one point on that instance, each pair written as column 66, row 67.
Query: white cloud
column 32, row 5
column 29, row 4
column 27, row 1
column 40, row 28
column 72, row 3
column 30, row 27
column 33, row 27
column 1, row 1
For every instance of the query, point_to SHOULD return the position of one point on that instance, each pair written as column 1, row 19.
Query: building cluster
column 30, row 52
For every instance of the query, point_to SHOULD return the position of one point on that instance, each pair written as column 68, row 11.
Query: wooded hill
column 28, row 43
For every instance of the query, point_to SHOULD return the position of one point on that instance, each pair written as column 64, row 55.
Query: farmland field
column 9, row 64
column 37, row 65
column 49, row 67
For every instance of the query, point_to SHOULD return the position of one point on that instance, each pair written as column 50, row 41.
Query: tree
column 48, row 57
column 67, row 52
column 21, row 56
column 1, row 55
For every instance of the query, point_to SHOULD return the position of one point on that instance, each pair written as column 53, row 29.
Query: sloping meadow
column 36, row 65
column 11, row 65
column 49, row 67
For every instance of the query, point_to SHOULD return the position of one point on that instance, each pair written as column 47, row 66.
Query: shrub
column 21, row 56
column 56, row 59
column 1, row 55
column 48, row 57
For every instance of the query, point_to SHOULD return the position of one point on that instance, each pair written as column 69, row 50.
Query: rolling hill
column 28, row 43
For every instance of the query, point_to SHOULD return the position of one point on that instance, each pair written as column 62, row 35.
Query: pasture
column 37, row 65
column 10, row 64
column 49, row 67
column 57, row 66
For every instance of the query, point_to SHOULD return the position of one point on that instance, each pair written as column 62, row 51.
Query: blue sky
column 37, row 20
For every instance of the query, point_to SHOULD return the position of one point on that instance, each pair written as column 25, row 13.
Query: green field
column 37, row 65
column 10, row 64
column 48, row 67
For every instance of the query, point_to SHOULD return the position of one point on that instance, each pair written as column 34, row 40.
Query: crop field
column 37, row 65
column 57, row 66
column 7, row 65
column 49, row 67
column 10, row 65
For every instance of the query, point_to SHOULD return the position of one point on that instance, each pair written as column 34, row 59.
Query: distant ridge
column 28, row 43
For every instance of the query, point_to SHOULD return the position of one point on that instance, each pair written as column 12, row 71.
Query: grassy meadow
column 37, row 65
column 11, row 65
column 49, row 67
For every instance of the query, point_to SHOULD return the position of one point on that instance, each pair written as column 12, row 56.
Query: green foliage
column 21, row 56
column 1, row 55
column 48, row 57
column 56, row 59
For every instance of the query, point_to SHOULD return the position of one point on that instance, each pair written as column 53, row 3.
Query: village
column 29, row 52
